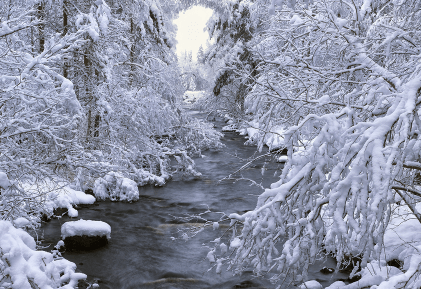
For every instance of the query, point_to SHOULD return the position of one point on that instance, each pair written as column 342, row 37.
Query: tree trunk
column 41, row 27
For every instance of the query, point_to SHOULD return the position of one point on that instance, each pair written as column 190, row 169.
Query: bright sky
column 190, row 34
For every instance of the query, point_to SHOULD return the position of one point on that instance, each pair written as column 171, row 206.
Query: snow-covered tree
column 87, row 88
column 201, row 55
column 344, row 79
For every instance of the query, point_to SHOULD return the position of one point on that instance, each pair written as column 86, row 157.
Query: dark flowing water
column 141, row 253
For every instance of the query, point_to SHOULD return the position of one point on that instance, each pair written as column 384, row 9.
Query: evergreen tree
column 201, row 55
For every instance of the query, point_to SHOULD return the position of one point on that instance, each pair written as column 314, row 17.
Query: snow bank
column 312, row 284
column 403, row 232
column 59, row 195
column 116, row 187
column 85, row 228
column 22, row 267
column 273, row 139
column 402, row 241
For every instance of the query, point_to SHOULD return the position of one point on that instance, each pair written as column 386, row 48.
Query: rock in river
column 85, row 235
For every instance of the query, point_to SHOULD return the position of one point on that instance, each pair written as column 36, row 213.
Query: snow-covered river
column 141, row 253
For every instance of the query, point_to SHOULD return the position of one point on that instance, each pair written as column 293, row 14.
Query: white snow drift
column 22, row 267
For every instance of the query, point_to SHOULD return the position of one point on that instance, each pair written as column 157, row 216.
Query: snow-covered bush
column 23, row 267
column 116, row 187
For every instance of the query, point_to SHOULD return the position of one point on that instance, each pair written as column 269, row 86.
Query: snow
column 235, row 243
column 273, row 137
column 210, row 256
column 282, row 159
column 336, row 285
column 4, row 180
column 325, row 99
column 58, row 195
column 224, row 248
column 21, row 264
column 230, row 128
column 21, row 222
column 403, row 232
column 85, row 227
column 296, row 20
column 193, row 96
column 313, row 284
column 116, row 187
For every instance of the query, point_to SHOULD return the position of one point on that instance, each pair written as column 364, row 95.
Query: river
column 141, row 252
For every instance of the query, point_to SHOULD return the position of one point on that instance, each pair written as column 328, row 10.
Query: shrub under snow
column 116, row 187
column 58, row 195
column 23, row 267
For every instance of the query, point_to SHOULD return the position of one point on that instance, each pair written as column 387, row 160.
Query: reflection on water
column 141, row 253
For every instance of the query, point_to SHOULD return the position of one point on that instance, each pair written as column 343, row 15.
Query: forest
column 91, row 100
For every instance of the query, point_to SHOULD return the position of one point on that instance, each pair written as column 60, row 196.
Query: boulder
column 85, row 235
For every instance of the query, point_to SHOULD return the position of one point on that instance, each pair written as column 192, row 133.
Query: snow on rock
column 336, row 285
column 85, row 228
column 116, row 187
column 282, row 159
column 325, row 99
column 312, row 284
column 230, row 128
column 22, row 267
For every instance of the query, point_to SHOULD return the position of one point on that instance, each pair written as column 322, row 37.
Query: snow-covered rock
column 85, row 227
column 282, row 159
column 336, row 285
column 85, row 235
column 116, row 187
column 230, row 128
column 21, row 266
column 312, row 284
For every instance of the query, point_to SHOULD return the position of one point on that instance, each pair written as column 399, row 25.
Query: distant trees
column 234, row 32
column 201, row 58
column 193, row 73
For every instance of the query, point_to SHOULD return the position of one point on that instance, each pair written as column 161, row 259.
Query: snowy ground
column 22, row 266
